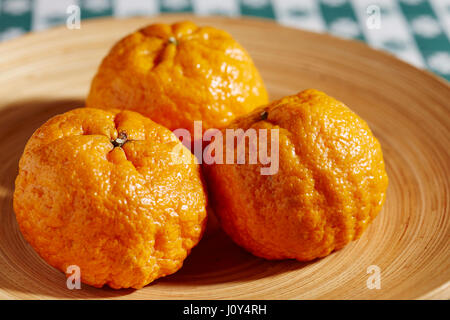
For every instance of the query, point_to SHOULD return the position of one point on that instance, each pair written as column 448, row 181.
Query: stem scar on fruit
column 120, row 140
column 172, row 40
column 263, row 115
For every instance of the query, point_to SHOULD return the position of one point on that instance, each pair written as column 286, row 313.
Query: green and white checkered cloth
column 417, row 31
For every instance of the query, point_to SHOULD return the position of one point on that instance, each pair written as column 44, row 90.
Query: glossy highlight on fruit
column 330, row 185
column 100, row 190
column 177, row 74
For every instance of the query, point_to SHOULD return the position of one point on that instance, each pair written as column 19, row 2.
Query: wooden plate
column 48, row 73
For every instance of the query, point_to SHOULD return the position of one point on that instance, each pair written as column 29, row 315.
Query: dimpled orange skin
column 125, row 215
column 330, row 185
column 176, row 74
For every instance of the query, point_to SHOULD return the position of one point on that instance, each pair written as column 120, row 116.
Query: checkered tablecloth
column 417, row 31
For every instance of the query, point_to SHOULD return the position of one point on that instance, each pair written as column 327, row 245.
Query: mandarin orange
column 330, row 184
column 100, row 190
column 176, row 74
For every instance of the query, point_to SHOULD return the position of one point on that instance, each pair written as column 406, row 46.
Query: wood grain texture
column 408, row 110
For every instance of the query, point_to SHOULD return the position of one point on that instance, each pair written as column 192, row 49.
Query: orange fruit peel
column 331, row 182
column 98, row 189
column 177, row 74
